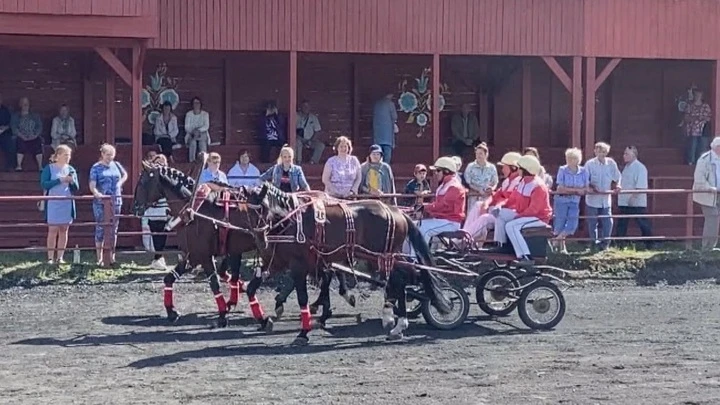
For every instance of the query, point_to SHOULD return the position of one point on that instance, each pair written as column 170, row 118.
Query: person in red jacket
column 530, row 207
column 447, row 212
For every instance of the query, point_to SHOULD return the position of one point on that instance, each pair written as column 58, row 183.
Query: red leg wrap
column 234, row 292
column 220, row 301
column 168, row 297
column 305, row 318
column 256, row 309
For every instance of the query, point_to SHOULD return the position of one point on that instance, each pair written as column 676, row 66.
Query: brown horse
column 202, row 240
column 334, row 231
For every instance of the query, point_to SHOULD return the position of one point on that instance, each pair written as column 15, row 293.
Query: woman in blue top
column 106, row 179
column 285, row 175
column 59, row 179
column 573, row 181
column 212, row 172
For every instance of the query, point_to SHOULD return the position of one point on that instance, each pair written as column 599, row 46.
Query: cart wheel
column 414, row 308
column 492, row 295
column 541, row 305
column 458, row 312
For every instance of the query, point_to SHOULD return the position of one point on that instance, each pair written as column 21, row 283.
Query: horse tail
column 431, row 282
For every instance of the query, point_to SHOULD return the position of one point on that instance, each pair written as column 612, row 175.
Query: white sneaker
column 158, row 264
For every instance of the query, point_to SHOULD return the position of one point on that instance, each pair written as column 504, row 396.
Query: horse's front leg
column 266, row 323
column 287, row 287
column 214, row 281
column 236, row 284
column 300, row 278
column 169, row 281
column 396, row 290
column 324, row 299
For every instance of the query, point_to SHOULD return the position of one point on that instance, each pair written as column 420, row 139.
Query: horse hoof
column 313, row 309
column 222, row 322
column 267, row 325
column 172, row 315
column 352, row 301
column 394, row 338
column 387, row 326
column 300, row 341
column 230, row 305
column 279, row 310
column 318, row 324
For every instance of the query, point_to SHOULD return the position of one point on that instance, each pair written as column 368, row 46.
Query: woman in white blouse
column 197, row 126
column 63, row 129
column 166, row 130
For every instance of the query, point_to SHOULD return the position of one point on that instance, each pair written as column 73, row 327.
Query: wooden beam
column 112, row 60
column 355, row 102
column 605, row 73
column 589, row 121
column 64, row 42
column 109, row 106
column 292, row 104
column 227, row 102
column 576, row 109
column 526, row 109
column 136, row 115
column 436, row 106
column 141, row 58
column 555, row 67
column 484, row 116
column 87, row 100
column 79, row 25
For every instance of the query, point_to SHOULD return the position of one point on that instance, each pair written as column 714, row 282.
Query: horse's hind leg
column 213, row 280
column 343, row 290
column 324, row 298
column 396, row 295
column 300, row 278
column 266, row 323
column 169, row 281
column 287, row 287
column 236, row 285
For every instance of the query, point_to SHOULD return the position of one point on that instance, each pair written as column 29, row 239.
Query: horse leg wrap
column 256, row 309
column 168, row 296
column 305, row 318
column 220, row 301
column 234, row 292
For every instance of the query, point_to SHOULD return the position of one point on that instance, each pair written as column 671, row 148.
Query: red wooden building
column 546, row 73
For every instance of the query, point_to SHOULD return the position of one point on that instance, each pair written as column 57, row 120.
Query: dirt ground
column 108, row 344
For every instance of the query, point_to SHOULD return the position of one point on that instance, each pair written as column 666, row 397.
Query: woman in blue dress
column 106, row 179
column 59, row 179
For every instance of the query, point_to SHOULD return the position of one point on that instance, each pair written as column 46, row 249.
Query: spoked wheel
column 493, row 293
column 541, row 305
column 414, row 308
column 458, row 311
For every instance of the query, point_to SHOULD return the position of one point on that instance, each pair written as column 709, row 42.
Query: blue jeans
column 600, row 237
column 387, row 153
column 566, row 217
column 697, row 145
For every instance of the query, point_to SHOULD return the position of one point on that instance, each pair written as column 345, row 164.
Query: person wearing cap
column 478, row 224
column 603, row 172
column 377, row 176
column 447, row 212
column 418, row 186
column 705, row 180
column 531, row 208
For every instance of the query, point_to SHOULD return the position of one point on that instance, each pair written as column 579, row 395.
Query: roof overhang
column 81, row 26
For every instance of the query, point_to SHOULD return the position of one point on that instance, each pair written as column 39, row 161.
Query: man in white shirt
column 603, row 172
column 307, row 128
column 634, row 177
column 705, row 183
column 243, row 173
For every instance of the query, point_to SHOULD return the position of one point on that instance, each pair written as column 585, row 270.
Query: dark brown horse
column 309, row 229
column 200, row 239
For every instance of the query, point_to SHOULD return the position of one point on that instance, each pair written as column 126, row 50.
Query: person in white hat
column 478, row 224
column 447, row 212
column 531, row 208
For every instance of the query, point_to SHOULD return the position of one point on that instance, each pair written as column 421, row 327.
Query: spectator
column 341, row 174
column 63, row 130
column 385, row 125
column 459, row 174
column 144, row 221
column 465, row 130
column 706, row 181
column 697, row 114
column 308, row 127
column 634, row 176
column 602, row 171
column 481, row 177
column 285, row 175
column 418, row 186
column 543, row 173
column 272, row 131
column 27, row 127
column 243, row 173
column 166, row 130
column 573, row 181
column 107, row 178
column 377, row 176
column 212, row 172
column 197, row 129
column 59, row 179
column 8, row 144
column 157, row 217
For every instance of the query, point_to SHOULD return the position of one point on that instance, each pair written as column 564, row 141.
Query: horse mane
column 277, row 197
column 176, row 178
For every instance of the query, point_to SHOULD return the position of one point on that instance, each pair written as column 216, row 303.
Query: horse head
column 157, row 182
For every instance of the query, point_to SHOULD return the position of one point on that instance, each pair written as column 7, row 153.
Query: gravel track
column 108, row 344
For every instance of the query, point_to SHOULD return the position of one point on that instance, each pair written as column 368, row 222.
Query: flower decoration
column 161, row 89
column 417, row 101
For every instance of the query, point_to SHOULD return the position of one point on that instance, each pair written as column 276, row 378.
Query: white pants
column 514, row 228
column 432, row 227
column 201, row 143
column 504, row 216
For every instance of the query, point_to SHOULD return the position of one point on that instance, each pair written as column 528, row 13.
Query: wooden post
column 227, row 92
column 576, row 96
column 292, row 104
column 109, row 106
column 138, row 55
column 689, row 220
column 436, row 106
column 592, row 84
column 355, row 102
column 526, row 113
column 87, row 101
column 716, row 97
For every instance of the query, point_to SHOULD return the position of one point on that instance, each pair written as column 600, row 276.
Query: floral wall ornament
column 417, row 101
column 161, row 89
